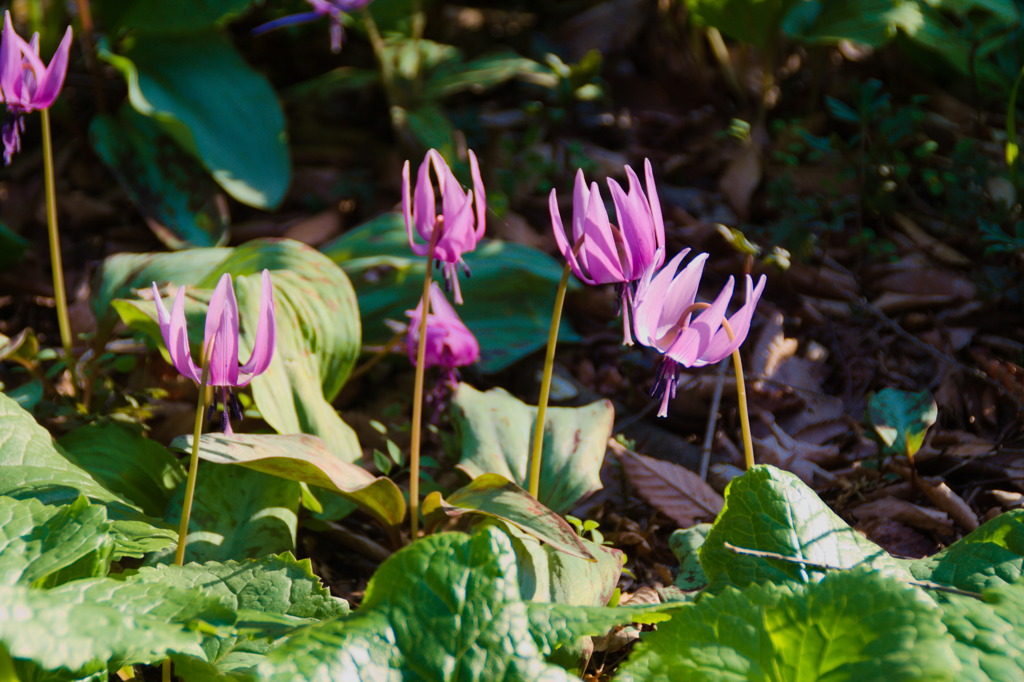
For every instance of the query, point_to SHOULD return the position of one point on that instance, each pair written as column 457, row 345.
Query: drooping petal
column 599, row 256
column 51, row 80
column 414, row 246
column 722, row 345
column 266, row 335
column 694, row 338
column 290, row 20
column 561, row 240
column 479, row 195
column 681, row 295
column 10, row 60
column 650, row 323
column 424, row 209
column 655, row 204
column 222, row 332
column 175, row 333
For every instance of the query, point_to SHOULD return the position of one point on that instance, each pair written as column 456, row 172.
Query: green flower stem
column 7, row 671
column 545, row 384
column 417, row 392
column 193, row 465
column 63, row 321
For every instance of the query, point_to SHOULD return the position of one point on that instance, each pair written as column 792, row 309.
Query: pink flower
column 449, row 343
column 26, row 83
column 461, row 220
column 603, row 253
column 332, row 8
column 220, row 339
column 663, row 319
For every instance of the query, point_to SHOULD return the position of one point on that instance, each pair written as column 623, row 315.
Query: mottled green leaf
column 770, row 510
column 497, row 437
column 308, row 460
column 181, row 203
column 127, row 462
column 168, row 16
column 990, row 556
column 902, row 419
column 494, row 495
column 684, row 543
column 989, row 634
column 238, row 513
column 509, row 298
column 203, row 94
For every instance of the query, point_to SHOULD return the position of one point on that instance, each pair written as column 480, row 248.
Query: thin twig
column 709, row 432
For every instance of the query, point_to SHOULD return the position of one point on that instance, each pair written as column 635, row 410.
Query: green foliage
column 751, row 21
column 770, row 510
column 991, row 556
column 902, row 419
column 306, row 459
column 852, row 625
column 446, row 607
column 168, row 16
column 201, row 93
column 318, row 329
column 684, row 543
column 167, row 185
column 237, row 514
column 508, row 302
column 496, row 430
column 496, row 496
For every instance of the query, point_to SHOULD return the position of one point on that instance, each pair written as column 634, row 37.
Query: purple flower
column 462, row 214
column 332, row 8
column 449, row 343
column 663, row 319
column 603, row 253
column 220, row 340
column 26, row 83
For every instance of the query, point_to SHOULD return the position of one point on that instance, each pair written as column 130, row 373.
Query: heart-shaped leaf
column 497, row 433
column 902, row 419
column 307, row 459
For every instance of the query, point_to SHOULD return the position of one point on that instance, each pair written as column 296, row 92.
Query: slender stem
column 63, row 321
column 545, row 384
column 193, row 465
column 7, row 671
column 417, row 394
column 165, row 671
column 385, row 351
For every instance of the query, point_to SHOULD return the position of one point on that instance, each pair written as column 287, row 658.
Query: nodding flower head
column 26, row 83
column 668, row 318
column 461, row 221
column 331, row 8
column 220, row 339
column 449, row 343
column 600, row 252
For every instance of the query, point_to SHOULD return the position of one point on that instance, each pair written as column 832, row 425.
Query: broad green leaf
column 317, row 326
column 446, row 607
column 497, row 436
column 852, row 625
column 685, row 544
column 273, row 588
column 168, row 16
column 751, row 21
column 990, row 556
column 45, row 545
column 548, row 575
column 181, row 203
column 496, row 496
column 308, row 460
column 127, row 462
column 508, row 299
column 238, row 513
column 136, row 538
column 902, row 419
column 480, row 74
column 770, row 510
column 56, row 631
column 870, row 22
column 432, row 128
column 213, row 104
column 989, row 634
column 32, row 465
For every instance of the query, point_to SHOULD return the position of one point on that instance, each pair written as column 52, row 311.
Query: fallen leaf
column 935, row 248
column 904, row 512
column 741, row 179
column 948, row 501
column 675, row 491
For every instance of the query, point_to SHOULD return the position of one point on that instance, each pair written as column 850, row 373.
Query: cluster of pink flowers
column 26, row 83
column 662, row 300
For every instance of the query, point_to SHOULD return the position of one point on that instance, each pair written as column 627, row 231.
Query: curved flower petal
column 479, row 196
column 694, row 338
column 222, row 332
column 722, row 345
column 51, row 80
column 266, row 335
column 10, row 60
column 175, row 333
column 561, row 240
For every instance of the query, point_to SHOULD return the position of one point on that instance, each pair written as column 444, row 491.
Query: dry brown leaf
column 904, row 512
column 673, row 490
column 316, row 229
column 940, row 251
column 800, row 457
column 892, row 302
column 824, row 281
column 1007, row 499
column 741, row 179
column 644, row 596
column 897, row 538
column 948, row 501
column 909, row 277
